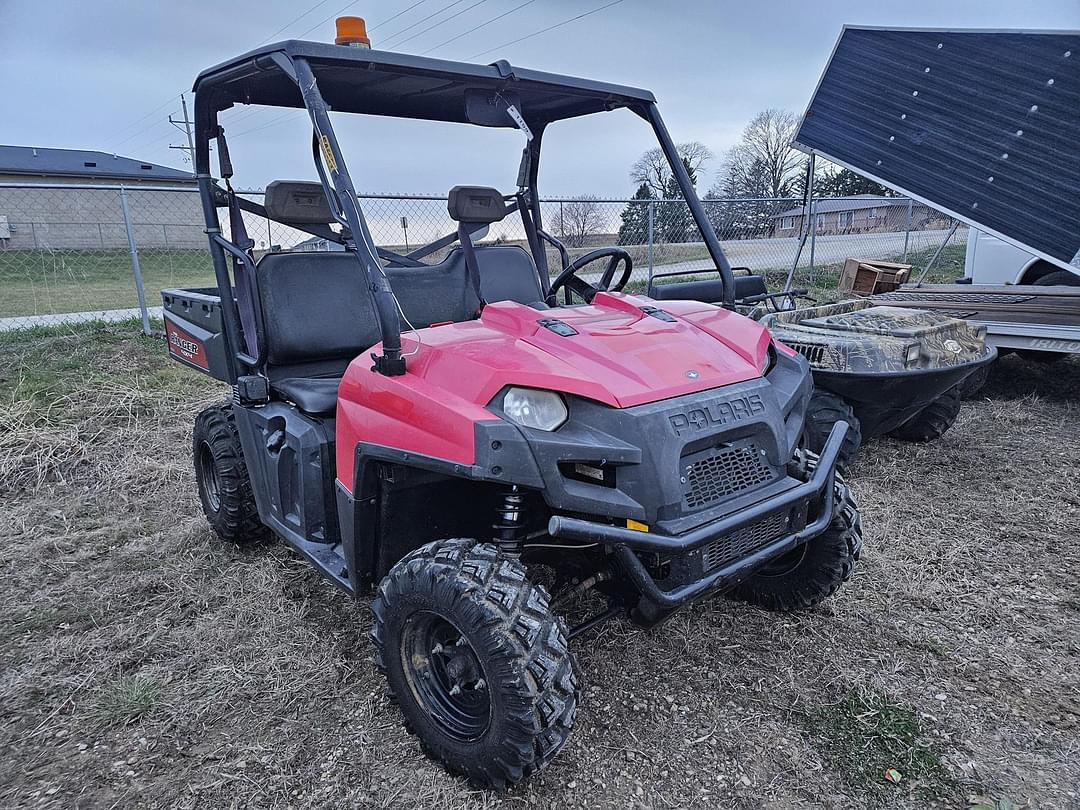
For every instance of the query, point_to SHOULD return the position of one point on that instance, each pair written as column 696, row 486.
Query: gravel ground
column 144, row 664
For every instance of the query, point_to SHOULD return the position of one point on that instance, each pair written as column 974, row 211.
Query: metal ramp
column 982, row 125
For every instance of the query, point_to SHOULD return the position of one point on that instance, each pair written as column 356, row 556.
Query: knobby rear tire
column 825, row 410
column 975, row 382
column 222, row 477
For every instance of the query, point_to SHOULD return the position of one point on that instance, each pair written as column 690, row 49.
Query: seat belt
column 245, row 293
column 245, row 297
column 471, row 264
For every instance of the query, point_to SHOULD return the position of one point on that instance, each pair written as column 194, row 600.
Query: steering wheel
column 569, row 279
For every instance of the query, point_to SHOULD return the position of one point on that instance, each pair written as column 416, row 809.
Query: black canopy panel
column 400, row 85
column 983, row 125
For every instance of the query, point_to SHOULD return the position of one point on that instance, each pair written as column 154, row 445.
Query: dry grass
column 144, row 664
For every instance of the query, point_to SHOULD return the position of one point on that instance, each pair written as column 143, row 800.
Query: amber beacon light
column 352, row 31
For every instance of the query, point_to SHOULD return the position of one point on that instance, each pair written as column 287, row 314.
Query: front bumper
column 814, row 496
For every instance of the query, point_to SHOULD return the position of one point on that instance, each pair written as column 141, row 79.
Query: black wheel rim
column 209, row 482
column 445, row 675
column 784, row 564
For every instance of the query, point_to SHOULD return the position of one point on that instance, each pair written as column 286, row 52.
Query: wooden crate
column 863, row 277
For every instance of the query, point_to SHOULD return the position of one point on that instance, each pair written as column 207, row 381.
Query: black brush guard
column 625, row 543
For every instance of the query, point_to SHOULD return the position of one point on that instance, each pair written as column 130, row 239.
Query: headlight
column 531, row 407
column 768, row 361
column 911, row 356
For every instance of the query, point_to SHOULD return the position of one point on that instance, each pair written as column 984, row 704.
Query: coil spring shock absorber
column 510, row 522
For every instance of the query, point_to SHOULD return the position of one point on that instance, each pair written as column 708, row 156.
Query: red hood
column 619, row 356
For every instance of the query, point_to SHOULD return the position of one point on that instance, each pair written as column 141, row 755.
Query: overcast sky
column 106, row 74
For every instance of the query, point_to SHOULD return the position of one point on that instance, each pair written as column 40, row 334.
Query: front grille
column 813, row 352
column 745, row 541
column 725, row 471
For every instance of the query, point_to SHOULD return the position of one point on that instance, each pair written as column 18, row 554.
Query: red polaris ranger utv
column 449, row 434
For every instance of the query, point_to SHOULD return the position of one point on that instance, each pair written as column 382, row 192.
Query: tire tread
column 932, row 421
column 237, row 521
column 823, row 411
column 822, row 575
column 516, row 615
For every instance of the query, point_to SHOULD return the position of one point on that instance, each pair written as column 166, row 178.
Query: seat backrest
column 316, row 310
column 442, row 292
column 710, row 291
column 508, row 273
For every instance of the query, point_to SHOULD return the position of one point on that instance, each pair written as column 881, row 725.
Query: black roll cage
column 341, row 193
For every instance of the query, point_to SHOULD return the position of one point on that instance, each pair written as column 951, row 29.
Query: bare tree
column 653, row 170
column 579, row 219
column 763, row 163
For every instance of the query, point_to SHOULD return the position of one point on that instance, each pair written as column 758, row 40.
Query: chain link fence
column 75, row 253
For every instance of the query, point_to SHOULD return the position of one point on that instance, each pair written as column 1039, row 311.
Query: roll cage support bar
column 341, row 194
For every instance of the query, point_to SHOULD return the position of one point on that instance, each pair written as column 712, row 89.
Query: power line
column 422, row 20
column 478, row 27
column 292, row 21
column 138, row 132
column 281, row 118
column 303, row 34
column 277, row 119
column 143, row 118
column 154, row 141
column 391, row 19
column 401, row 42
column 545, row 30
column 248, row 115
column 350, row 5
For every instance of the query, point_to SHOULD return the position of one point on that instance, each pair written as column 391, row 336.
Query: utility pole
column 185, row 126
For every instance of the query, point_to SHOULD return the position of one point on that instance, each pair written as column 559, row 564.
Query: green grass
column 42, row 282
column 864, row 736
column 43, row 364
column 127, row 700
column 39, row 282
column 823, row 281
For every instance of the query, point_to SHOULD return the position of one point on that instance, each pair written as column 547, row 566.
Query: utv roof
column 358, row 80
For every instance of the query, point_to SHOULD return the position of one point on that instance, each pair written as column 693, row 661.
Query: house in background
column 860, row 214
column 68, row 199
column 317, row 244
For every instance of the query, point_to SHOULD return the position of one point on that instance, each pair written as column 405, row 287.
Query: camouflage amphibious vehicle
column 881, row 369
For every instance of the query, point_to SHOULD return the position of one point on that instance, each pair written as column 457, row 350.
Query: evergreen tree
column 846, row 183
column 634, row 229
column 674, row 222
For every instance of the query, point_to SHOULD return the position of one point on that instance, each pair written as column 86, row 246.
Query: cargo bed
column 193, row 329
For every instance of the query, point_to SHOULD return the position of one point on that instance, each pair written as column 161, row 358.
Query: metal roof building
column 44, row 164
column 70, row 199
